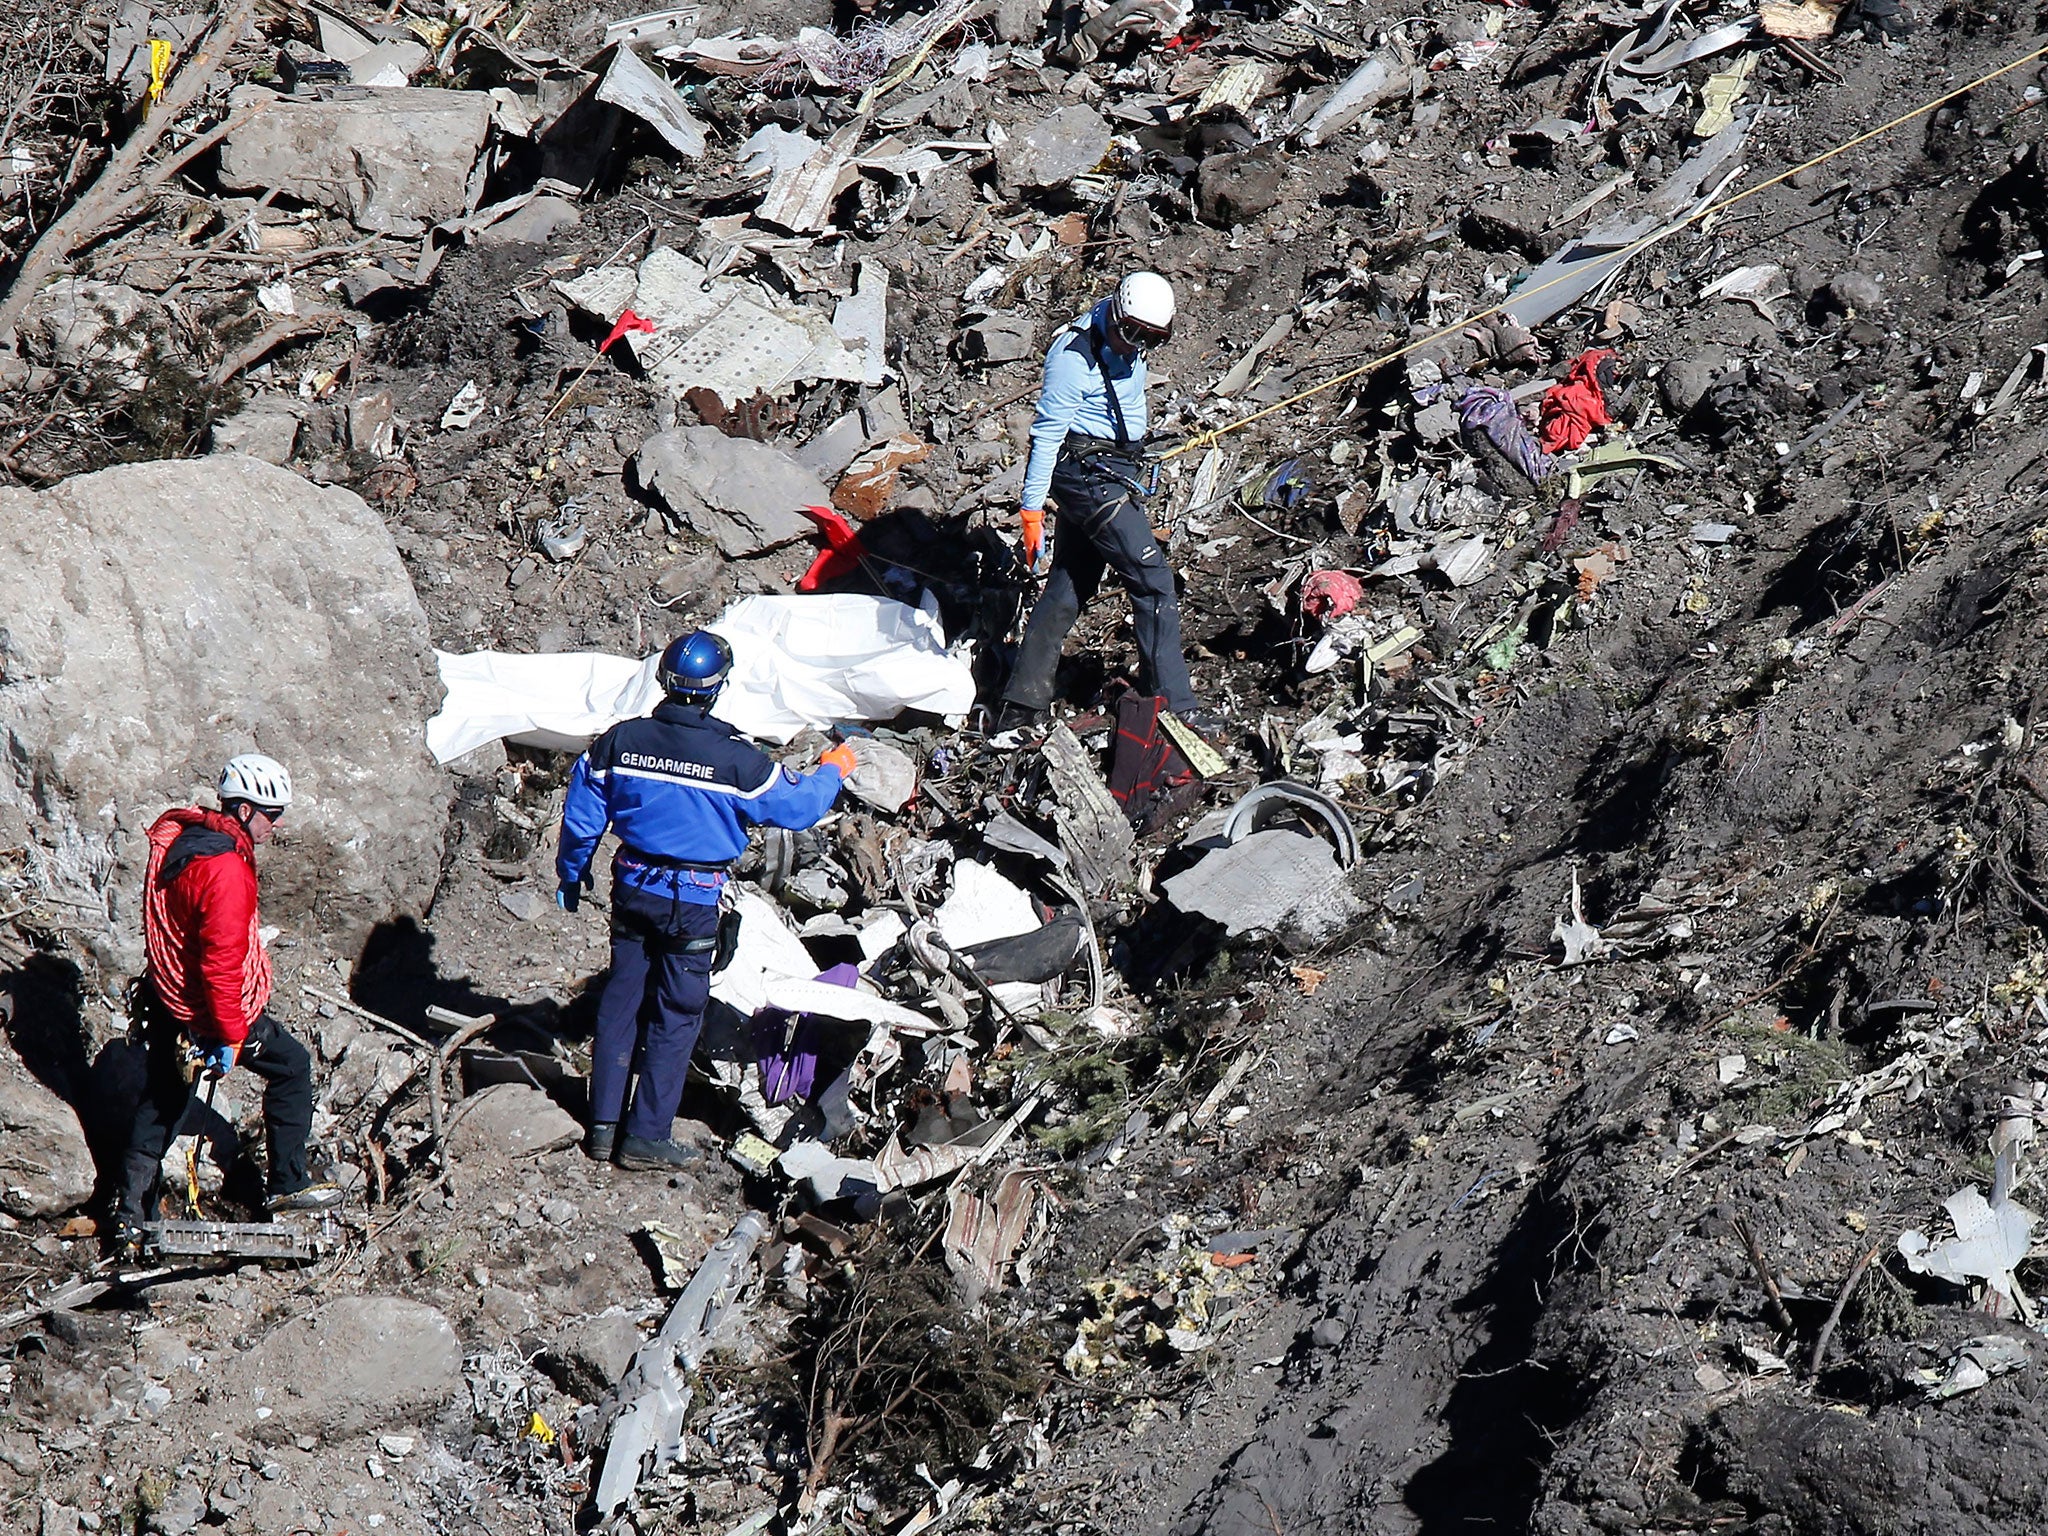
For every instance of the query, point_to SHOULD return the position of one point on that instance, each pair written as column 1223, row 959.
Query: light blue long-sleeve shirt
column 1075, row 398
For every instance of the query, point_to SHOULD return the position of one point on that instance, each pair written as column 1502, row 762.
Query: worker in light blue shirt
column 1086, row 452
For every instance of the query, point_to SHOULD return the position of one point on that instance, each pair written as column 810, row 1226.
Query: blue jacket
column 1075, row 398
column 680, row 789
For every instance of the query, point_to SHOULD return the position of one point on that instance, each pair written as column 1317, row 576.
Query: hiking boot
column 644, row 1152
column 1013, row 718
column 319, row 1196
column 597, row 1145
column 124, row 1238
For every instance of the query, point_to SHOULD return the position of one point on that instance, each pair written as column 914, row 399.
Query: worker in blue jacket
column 1087, row 453
column 680, row 789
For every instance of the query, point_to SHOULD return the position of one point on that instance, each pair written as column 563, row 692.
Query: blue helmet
column 695, row 667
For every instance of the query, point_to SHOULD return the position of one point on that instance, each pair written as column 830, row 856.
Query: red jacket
column 199, row 924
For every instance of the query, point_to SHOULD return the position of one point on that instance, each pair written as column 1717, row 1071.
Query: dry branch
column 122, row 183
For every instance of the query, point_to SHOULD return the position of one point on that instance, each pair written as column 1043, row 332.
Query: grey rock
column 999, row 339
column 359, row 284
column 267, row 428
column 1685, row 383
column 1858, row 291
column 86, row 1330
column 228, row 1500
column 355, row 1365
column 828, row 454
column 391, row 161
column 534, row 224
column 523, row 903
column 372, row 423
column 510, row 1119
column 165, row 616
column 1506, row 224
column 104, row 328
column 390, row 64
column 45, row 1165
column 1235, row 189
column 1329, row 1332
column 695, row 574
column 1436, row 423
column 183, row 1508
column 589, row 1355
column 1053, row 151
column 741, row 494
column 57, row 1519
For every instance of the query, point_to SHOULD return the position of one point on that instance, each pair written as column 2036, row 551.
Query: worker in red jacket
column 205, row 987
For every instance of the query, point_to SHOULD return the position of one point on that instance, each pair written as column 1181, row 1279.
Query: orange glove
column 840, row 757
column 1033, row 519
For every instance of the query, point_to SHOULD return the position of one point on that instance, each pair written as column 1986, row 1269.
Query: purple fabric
column 1488, row 412
column 786, row 1044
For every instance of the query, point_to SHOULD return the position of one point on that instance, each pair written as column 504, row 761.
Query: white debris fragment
column 1581, row 940
column 464, row 409
column 1990, row 1240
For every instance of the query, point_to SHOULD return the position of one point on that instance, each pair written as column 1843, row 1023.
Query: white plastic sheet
column 769, row 951
column 821, row 658
column 800, row 661
column 983, row 907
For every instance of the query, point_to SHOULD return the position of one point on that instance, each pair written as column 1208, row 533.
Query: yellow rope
column 1209, row 438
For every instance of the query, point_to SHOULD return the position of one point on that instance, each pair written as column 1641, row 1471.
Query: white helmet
column 1143, row 308
column 262, row 781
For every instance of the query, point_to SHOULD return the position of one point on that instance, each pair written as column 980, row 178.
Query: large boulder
column 741, row 494
column 392, row 161
column 159, row 618
column 356, row 1365
column 46, row 1168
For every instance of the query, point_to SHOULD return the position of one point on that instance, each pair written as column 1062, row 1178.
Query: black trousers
column 1101, row 522
column 273, row 1055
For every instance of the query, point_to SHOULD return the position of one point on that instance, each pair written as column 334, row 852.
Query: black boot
column 124, row 1237
column 643, row 1152
column 1014, row 717
column 597, row 1146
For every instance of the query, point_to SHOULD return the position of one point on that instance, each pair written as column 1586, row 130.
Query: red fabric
column 1148, row 777
column 205, row 954
column 1331, row 594
column 628, row 321
column 841, row 553
column 1572, row 410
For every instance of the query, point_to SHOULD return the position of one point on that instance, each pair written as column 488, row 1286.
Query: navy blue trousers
column 652, row 1008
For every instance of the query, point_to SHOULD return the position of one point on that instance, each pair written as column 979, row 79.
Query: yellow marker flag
column 159, row 68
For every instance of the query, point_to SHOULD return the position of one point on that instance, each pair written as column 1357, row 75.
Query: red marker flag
column 628, row 321
column 841, row 553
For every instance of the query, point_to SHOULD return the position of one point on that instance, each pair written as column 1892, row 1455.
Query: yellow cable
column 1209, row 438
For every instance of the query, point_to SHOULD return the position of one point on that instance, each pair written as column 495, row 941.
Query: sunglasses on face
column 1138, row 334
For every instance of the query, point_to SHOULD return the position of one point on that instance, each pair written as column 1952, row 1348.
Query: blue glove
column 220, row 1060
column 568, row 896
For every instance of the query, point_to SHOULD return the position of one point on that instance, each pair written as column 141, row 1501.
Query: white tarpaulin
column 810, row 660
